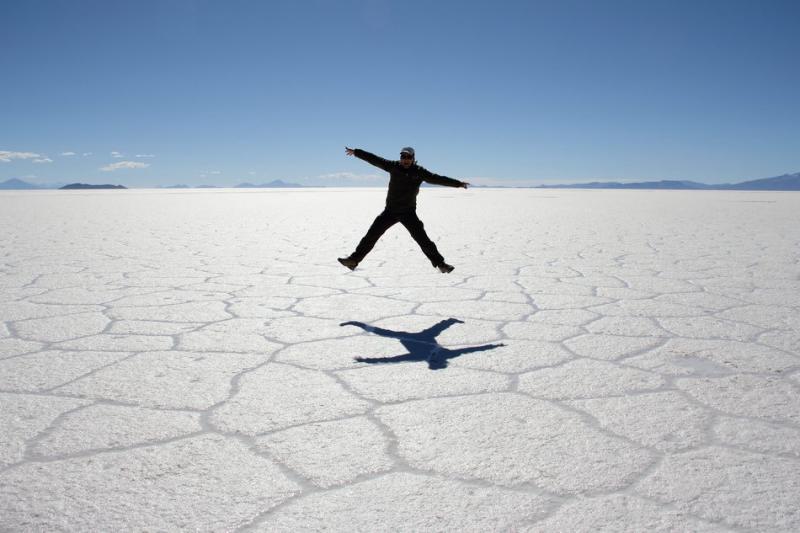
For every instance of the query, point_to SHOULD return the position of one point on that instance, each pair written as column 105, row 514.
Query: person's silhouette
column 421, row 346
column 405, row 177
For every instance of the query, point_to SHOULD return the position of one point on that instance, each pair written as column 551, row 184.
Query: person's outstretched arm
column 436, row 179
column 372, row 159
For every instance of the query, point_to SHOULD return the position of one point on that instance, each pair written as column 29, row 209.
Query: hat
column 407, row 150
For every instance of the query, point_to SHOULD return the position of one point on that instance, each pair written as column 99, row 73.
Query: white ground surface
column 177, row 360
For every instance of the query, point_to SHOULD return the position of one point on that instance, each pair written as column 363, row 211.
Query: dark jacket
column 404, row 183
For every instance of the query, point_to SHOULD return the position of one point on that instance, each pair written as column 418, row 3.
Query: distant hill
column 17, row 185
column 88, row 186
column 272, row 184
column 787, row 182
column 663, row 184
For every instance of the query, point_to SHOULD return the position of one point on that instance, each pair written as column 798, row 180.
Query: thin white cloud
column 86, row 154
column 252, row 173
column 43, row 159
column 145, row 155
column 6, row 156
column 116, row 154
column 123, row 164
column 68, row 154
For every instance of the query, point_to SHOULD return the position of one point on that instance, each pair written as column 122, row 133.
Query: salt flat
column 599, row 360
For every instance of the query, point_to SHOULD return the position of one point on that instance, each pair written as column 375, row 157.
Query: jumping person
column 401, row 205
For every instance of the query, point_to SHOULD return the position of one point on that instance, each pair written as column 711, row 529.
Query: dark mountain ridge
column 786, row 182
column 83, row 186
column 279, row 184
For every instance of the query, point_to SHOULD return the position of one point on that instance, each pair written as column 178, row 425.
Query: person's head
column 407, row 157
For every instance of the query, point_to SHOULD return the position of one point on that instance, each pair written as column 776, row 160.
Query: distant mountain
column 87, row 186
column 663, row 184
column 17, row 185
column 787, row 182
column 270, row 185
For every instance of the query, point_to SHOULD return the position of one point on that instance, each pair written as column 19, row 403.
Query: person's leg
column 417, row 230
column 382, row 222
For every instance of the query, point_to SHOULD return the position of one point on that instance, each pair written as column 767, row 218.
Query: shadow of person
column 421, row 346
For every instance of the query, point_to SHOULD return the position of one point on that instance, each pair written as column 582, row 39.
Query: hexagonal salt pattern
column 621, row 513
column 278, row 396
column 408, row 502
column 743, row 489
column 23, row 417
column 673, row 422
column 100, row 427
column 206, row 482
column 598, row 361
column 178, row 380
column 331, row 453
column 511, row 440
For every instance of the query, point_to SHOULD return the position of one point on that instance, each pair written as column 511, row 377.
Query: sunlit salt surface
column 618, row 360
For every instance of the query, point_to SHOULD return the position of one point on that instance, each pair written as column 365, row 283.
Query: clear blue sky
column 221, row 92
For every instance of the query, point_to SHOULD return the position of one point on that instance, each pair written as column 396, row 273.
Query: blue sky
column 148, row 93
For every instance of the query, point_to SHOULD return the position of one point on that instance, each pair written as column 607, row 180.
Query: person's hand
column 464, row 185
column 348, row 151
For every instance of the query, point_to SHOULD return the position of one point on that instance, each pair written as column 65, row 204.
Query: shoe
column 348, row 262
column 444, row 268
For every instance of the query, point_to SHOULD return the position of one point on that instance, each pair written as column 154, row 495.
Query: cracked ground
column 598, row 360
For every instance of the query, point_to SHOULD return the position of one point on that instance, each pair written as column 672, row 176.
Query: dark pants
column 413, row 224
